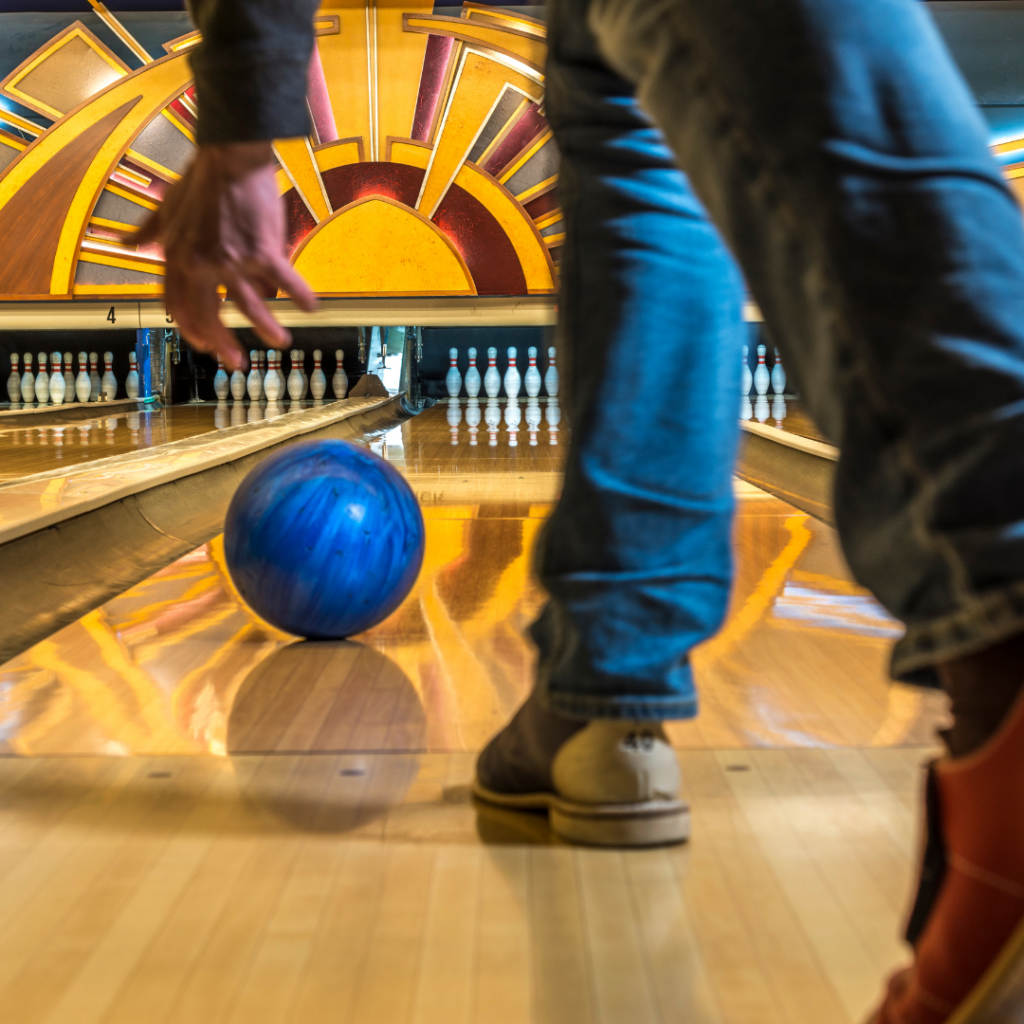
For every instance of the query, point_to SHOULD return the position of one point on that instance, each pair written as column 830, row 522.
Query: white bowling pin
column 220, row 381
column 28, row 381
column 531, row 380
column 261, row 358
column 42, row 380
column 69, row 380
column 295, row 383
column 254, row 382
column 551, row 376
column 83, row 386
column 513, row 382
column 746, row 377
column 778, row 375
column 57, row 386
column 237, row 387
column 272, row 383
column 94, row 377
column 761, row 377
column 340, row 380
column 109, row 382
column 492, row 379
column 14, row 381
column 472, row 377
column 454, row 417
column 317, row 379
column 453, row 379
column 131, row 382
column 282, row 378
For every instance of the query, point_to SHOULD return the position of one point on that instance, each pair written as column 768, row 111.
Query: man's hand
column 224, row 224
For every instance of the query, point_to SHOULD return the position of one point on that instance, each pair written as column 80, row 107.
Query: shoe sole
column 651, row 823
column 998, row 998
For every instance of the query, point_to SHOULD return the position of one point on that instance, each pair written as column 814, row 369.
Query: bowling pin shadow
column 335, row 698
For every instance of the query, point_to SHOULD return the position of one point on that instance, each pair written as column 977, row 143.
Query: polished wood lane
column 93, row 434
column 356, row 888
column 179, row 664
column 785, row 413
column 242, row 828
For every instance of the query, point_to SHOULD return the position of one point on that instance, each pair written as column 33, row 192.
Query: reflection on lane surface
column 801, row 660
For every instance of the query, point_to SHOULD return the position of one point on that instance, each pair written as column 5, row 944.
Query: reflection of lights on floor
column 853, row 613
column 391, row 374
column 391, row 446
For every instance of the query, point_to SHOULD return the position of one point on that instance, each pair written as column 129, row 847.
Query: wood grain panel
column 36, row 214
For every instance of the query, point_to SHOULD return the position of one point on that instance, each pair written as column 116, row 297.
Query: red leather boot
column 969, row 958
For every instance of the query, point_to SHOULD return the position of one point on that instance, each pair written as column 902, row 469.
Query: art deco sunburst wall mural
column 430, row 170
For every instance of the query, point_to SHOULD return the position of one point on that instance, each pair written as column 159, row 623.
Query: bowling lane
column 786, row 413
column 86, row 433
column 178, row 664
column 318, row 856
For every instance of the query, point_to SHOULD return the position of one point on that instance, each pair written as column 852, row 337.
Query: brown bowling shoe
column 606, row 782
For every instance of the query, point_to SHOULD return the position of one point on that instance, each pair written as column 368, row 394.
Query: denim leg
column 839, row 152
column 636, row 557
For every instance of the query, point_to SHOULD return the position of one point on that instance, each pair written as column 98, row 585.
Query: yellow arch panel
column 527, row 46
column 398, row 56
column 300, row 167
column 378, row 246
column 479, row 83
column 338, row 154
column 408, row 151
column 345, row 56
column 152, row 88
column 533, row 254
column 530, row 247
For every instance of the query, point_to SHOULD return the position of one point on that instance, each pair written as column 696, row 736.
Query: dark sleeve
column 250, row 68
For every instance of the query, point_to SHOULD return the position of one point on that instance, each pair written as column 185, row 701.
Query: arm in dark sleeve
column 250, row 68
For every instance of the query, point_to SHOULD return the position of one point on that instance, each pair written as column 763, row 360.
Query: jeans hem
column 643, row 709
column 989, row 620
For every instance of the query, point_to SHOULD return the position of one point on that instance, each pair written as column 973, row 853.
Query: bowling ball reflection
column 344, row 701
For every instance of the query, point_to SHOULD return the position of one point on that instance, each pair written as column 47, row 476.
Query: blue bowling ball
column 324, row 539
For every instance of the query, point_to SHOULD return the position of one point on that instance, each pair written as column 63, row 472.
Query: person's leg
column 838, row 150
column 636, row 558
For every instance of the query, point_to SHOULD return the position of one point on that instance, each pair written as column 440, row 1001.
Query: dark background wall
column 433, row 367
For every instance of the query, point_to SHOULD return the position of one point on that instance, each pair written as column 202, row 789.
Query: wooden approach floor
column 204, row 821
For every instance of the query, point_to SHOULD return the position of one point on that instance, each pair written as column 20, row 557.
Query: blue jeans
column 841, row 157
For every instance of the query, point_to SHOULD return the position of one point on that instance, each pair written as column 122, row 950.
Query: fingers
column 245, row 296
column 150, row 230
column 192, row 300
column 293, row 284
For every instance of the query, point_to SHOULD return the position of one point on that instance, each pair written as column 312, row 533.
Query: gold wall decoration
column 430, row 169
